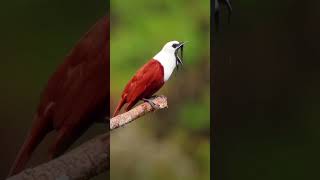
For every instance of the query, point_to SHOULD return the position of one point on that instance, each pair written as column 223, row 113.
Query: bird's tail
column 35, row 136
column 121, row 103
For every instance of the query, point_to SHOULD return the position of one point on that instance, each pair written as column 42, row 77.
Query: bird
column 151, row 76
column 76, row 96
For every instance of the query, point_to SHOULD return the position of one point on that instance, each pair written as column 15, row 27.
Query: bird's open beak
column 178, row 59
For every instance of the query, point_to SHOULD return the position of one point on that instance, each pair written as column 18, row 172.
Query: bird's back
column 79, row 85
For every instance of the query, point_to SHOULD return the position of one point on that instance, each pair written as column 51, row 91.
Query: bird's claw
column 154, row 97
column 152, row 104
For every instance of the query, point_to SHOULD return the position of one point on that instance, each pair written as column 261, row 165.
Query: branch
column 90, row 158
column 84, row 162
column 137, row 112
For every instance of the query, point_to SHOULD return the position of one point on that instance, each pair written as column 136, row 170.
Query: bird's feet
column 152, row 104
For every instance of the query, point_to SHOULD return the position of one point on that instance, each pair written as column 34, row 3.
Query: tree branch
column 90, row 158
column 142, row 109
column 84, row 162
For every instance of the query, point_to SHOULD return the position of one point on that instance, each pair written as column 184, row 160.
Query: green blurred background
column 266, row 110
column 173, row 143
column 35, row 36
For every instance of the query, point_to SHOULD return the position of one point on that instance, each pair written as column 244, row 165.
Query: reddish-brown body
column 76, row 95
column 147, row 81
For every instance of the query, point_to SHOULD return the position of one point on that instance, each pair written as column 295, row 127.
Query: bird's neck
column 168, row 61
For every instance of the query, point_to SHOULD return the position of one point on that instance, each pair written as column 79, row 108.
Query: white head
column 168, row 57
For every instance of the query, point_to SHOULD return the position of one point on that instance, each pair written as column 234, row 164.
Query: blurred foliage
column 171, row 143
column 139, row 30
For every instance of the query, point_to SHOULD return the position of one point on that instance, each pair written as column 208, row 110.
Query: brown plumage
column 76, row 95
column 147, row 81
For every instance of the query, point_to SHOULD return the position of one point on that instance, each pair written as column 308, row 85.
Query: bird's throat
column 168, row 62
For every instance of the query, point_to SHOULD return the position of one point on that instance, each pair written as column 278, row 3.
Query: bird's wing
column 147, row 81
column 78, row 88
column 83, row 97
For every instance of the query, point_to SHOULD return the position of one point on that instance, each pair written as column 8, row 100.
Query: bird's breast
column 168, row 63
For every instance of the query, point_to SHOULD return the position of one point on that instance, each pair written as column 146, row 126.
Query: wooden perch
column 135, row 113
column 90, row 158
column 84, row 162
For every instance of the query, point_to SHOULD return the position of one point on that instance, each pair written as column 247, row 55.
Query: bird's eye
column 174, row 45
